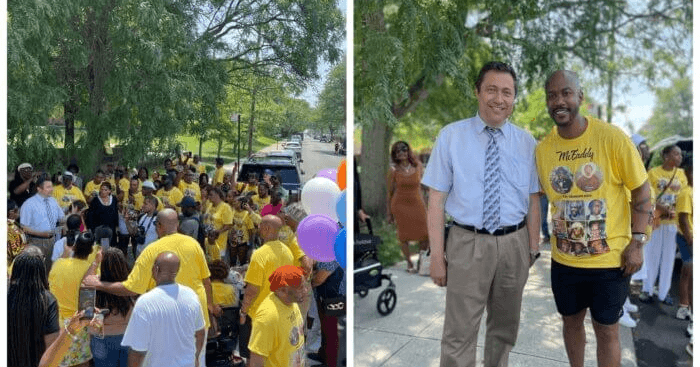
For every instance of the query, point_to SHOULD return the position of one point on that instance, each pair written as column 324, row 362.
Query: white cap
column 148, row 185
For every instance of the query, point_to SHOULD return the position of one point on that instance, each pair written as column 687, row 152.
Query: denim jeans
column 108, row 352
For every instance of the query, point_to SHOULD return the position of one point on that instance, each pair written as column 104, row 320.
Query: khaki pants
column 483, row 271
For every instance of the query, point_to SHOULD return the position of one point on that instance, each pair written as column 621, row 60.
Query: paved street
column 410, row 336
column 318, row 156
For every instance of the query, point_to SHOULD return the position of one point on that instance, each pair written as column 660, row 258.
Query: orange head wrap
column 286, row 275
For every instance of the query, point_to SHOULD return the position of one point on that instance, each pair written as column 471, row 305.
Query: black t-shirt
column 51, row 320
column 22, row 197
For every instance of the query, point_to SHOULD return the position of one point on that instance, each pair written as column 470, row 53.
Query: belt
column 499, row 232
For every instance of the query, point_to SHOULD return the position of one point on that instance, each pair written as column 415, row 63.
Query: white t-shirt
column 149, row 224
column 58, row 249
column 163, row 324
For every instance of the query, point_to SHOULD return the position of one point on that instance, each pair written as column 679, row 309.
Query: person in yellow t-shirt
column 277, row 335
column 244, row 221
column 223, row 294
column 190, row 188
column 64, row 283
column 250, row 186
column 92, row 188
column 262, row 198
column 218, row 173
column 170, row 195
column 194, row 275
column 265, row 260
column 67, row 193
column 220, row 218
column 659, row 254
column 684, row 238
column 197, row 165
column 584, row 166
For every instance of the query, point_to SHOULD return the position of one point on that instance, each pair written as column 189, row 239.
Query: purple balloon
column 329, row 173
column 316, row 236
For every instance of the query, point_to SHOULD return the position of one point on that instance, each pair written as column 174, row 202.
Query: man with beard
column 492, row 196
column 599, row 282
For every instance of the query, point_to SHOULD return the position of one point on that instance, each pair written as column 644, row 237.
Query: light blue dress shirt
column 35, row 214
column 456, row 166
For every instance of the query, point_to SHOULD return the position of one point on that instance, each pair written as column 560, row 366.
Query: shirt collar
column 480, row 126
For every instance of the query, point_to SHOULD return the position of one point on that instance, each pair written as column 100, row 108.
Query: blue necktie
column 492, row 184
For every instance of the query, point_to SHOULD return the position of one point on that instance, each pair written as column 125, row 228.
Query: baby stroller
column 368, row 271
column 220, row 348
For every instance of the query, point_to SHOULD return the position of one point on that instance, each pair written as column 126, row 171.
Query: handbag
column 424, row 262
column 657, row 212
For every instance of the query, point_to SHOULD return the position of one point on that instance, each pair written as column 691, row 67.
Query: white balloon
column 319, row 196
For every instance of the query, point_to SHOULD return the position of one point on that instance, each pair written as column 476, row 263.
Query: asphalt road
column 317, row 156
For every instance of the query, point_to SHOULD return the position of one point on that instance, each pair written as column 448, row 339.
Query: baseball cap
column 268, row 172
column 68, row 174
column 24, row 165
column 286, row 275
column 187, row 202
column 148, row 185
column 637, row 139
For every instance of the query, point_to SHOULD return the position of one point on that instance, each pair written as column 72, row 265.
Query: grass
column 209, row 148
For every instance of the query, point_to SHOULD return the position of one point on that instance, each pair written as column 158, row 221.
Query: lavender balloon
column 316, row 236
column 329, row 173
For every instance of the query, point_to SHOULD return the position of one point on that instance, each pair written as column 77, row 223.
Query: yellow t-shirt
column 223, row 294
column 193, row 267
column 64, row 282
column 658, row 179
column 138, row 200
column 219, row 216
column 92, row 188
column 289, row 238
column 242, row 225
column 278, row 333
column 199, row 167
column 124, row 184
column 684, row 204
column 66, row 197
column 585, row 180
column 191, row 189
column 172, row 197
column 218, row 176
column 263, row 263
column 260, row 202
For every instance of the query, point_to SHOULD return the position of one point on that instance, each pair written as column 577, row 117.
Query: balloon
column 342, row 175
column 340, row 206
column 339, row 248
column 329, row 173
column 319, row 196
column 316, row 235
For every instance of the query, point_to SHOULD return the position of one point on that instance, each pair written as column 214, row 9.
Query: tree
column 331, row 110
column 673, row 112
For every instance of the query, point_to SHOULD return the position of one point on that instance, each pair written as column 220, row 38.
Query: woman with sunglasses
column 405, row 204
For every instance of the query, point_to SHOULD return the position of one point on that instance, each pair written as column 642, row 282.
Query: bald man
column 166, row 327
column 194, row 273
column 598, row 277
column 270, row 256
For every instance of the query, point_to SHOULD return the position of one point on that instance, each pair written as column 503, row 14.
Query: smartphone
column 90, row 313
column 86, row 298
column 105, row 243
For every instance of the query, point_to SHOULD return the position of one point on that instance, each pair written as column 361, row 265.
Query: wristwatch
column 640, row 237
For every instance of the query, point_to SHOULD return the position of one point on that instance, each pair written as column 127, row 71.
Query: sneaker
column 627, row 321
column 668, row 301
column 689, row 347
column 689, row 331
column 629, row 306
column 645, row 297
column 683, row 313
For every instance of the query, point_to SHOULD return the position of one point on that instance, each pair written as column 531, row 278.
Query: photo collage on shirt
column 579, row 226
column 669, row 196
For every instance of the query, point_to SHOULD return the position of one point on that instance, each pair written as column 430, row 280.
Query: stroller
column 220, row 348
column 368, row 271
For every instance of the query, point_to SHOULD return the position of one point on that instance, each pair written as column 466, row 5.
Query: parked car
column 288, row 172
column 295, row 146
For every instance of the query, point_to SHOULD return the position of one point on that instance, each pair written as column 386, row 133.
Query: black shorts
column 603, row 291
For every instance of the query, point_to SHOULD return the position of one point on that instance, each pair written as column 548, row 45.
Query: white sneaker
column 689, row 331
column 683, row 313
column 629, row 306
column 627, row 321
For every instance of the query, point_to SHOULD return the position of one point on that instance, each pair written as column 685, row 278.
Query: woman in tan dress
column 405, row 202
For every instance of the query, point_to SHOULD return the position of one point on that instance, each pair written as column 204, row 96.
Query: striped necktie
column 492, row 184
column 50, row 213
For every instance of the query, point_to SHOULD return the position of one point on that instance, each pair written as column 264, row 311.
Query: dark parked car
column 289, row 172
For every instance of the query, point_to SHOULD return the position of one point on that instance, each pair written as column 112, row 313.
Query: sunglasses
column 403, row 148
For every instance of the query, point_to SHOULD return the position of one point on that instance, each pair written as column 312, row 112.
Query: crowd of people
column 164, row 256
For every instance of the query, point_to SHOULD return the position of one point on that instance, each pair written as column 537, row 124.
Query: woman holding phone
column 64, row 282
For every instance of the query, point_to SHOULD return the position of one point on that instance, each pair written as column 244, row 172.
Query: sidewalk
column 410, row 335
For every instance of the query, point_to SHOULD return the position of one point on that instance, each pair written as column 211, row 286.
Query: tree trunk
column 374, row 161
column 201, row 142
column 69, row 111
column 218, row 148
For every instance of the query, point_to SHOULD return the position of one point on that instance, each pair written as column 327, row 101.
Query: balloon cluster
column 322, row 233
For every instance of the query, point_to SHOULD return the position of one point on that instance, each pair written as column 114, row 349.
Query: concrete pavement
column 410, row 335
